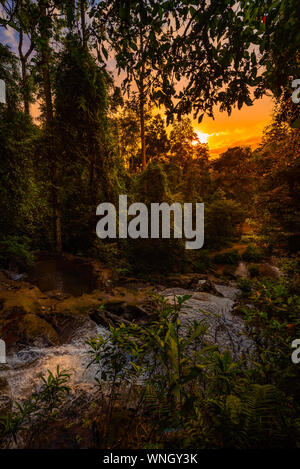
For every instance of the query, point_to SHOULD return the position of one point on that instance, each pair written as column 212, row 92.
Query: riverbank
column 47, row 329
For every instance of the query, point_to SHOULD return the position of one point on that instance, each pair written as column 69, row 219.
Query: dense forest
column 73, row 135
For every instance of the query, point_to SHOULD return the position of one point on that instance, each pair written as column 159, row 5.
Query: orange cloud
column 242, row 127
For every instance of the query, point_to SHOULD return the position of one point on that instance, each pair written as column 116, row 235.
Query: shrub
column 190, row 395
column 151, row 186
column 154, row 255
column 245, row 285
column 253, row 270
column 230, row 257
column 273, row 323
column 222, row 221
column 111, row 253
column 32, row 415
column 198, row 260
column 252, row 254
column 15, row 253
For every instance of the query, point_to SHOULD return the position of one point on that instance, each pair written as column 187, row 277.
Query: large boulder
column 208, row 286
column 19, row 328
column 186, row 281
column 48, row 327
column 65, row 323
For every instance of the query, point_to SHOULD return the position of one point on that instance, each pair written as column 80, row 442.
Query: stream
column 55, row 273
column 24, row 366
column 27, row 365
column 225, row 329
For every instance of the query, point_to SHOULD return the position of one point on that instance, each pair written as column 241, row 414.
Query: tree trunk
column 49, row 125
column 142, row 122
column 47, row 86
column 83, row 23
column 25, row 87
column 55, row 210
column 23, row 60
column 142, row 104
column 92, row 175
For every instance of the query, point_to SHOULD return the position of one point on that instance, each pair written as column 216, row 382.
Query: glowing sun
column 201, row 138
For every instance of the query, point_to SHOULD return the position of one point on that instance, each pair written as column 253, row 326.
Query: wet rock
column 20, row 294
column 66, row 274
column 47, row 327
column 268, row 270
column 117, row 312
column 265, row 269
column 13, row 275
column 103, row 276
column 229, row 271
column 209, row 287
column 187, row 281
column 228, row 291
column 105, row 318
column 19, row 328
column 65, row 323
column 127, row 311
column 225, row 329
column 242, row 270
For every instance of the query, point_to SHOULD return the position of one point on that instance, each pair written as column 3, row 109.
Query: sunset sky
column 243, row 127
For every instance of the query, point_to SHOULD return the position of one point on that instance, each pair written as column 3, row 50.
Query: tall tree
column 27, row 23
column 87, row 159
column 278, row 161
column 157, row 142
column 9, row 9
column 182, row 139
column 275, row 27
column 235, row 173
column 83, row 21
column 133, row 31
column 45, row 33
column 128, row 134
column 228, row 53
column 18, row 192
column 23, row 17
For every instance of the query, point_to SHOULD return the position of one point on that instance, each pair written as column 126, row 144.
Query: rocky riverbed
column 61, row 339
column 45, row 329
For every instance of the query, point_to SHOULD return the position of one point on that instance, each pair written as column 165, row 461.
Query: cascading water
column 225, row 330
column 28, row 364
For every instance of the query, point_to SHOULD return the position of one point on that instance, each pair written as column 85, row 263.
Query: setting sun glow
column 201, row 137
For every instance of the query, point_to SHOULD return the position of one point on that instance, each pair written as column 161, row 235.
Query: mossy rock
column 208, row 286
column 17, row 327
